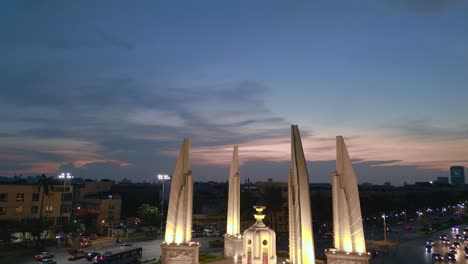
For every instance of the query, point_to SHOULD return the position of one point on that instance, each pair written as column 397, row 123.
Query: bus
column 121, row 256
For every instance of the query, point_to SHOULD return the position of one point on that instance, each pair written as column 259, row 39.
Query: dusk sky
column 109, row 89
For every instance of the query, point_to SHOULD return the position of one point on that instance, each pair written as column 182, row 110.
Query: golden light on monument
column 301, row 239
column 233, row 238
column 177, row 246
column 348, row 231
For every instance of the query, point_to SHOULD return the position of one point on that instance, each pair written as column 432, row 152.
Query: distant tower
column 177, row 247
column 259, row 242
column 457, row 175
column 233, row 238
column 301, row 241
column 348, row 233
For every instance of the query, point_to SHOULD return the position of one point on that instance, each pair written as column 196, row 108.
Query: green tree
column 150, row 216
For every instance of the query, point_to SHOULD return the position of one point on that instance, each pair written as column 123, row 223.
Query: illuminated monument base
column 335, row 257
column 180, row 254
column 233, row 246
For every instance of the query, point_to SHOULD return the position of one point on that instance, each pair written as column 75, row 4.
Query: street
column 151, row 250
column 413, row 251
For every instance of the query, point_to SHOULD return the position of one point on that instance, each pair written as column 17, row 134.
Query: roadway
column 151, row 250
column 413, row 250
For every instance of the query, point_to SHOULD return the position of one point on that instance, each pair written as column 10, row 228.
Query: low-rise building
column 26, row 201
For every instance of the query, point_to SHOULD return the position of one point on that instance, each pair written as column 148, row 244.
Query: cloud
column 123, row 122
column 426, row 129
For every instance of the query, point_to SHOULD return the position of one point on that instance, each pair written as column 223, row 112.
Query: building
column 97, row 200
column 442, row 180
column 26, row 201
column 457, row 175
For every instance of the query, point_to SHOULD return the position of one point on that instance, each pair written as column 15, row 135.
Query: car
column 407, row 227
column 93, row 236
column 78, row 255
column 91, row 255
column 465, row 231
column 455, row 229
column 450, row 257
column 44, row 255
column 446, row 242
column 437, row 256
column 454, row 252
column 457, row 236
column 456, row 244
column 47, row 261
column 443, row 237
column 430, row 242
column 452, row 248
column 85, row 243
column 428, row 248
column 126, row 245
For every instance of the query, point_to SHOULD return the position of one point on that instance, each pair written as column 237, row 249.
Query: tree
column 150, row 216
column 273, row 200
column 45, row 183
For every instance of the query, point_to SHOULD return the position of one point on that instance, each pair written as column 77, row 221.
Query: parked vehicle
column 78, row 255
column 92, row 255
column 208, row 233
column 44, row 255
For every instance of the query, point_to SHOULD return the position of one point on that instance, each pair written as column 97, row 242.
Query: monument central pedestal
column 233, row 246
column 180, row 254
column 336, row 257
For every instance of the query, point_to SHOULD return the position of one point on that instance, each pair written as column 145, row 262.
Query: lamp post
column 163, row 178
column 63, row 176
column 419, row 218
column 385, row 228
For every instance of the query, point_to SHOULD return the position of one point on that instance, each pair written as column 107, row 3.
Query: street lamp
column 163, row 178
column 419, row 217
column 385, row 227
column 63, row 176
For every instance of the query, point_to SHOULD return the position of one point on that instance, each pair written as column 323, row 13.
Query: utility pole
column 385, row 228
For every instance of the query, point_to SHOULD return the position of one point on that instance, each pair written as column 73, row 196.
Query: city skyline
column 110, row 89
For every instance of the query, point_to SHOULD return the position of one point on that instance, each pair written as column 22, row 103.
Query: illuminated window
column 20, row 197
column 49, row 208
column 3, row 197
column 19, row 209
column 35, row 196
column 2, row 210
column 34, row 209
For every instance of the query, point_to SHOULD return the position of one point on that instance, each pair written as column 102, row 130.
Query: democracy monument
column 257, row 244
